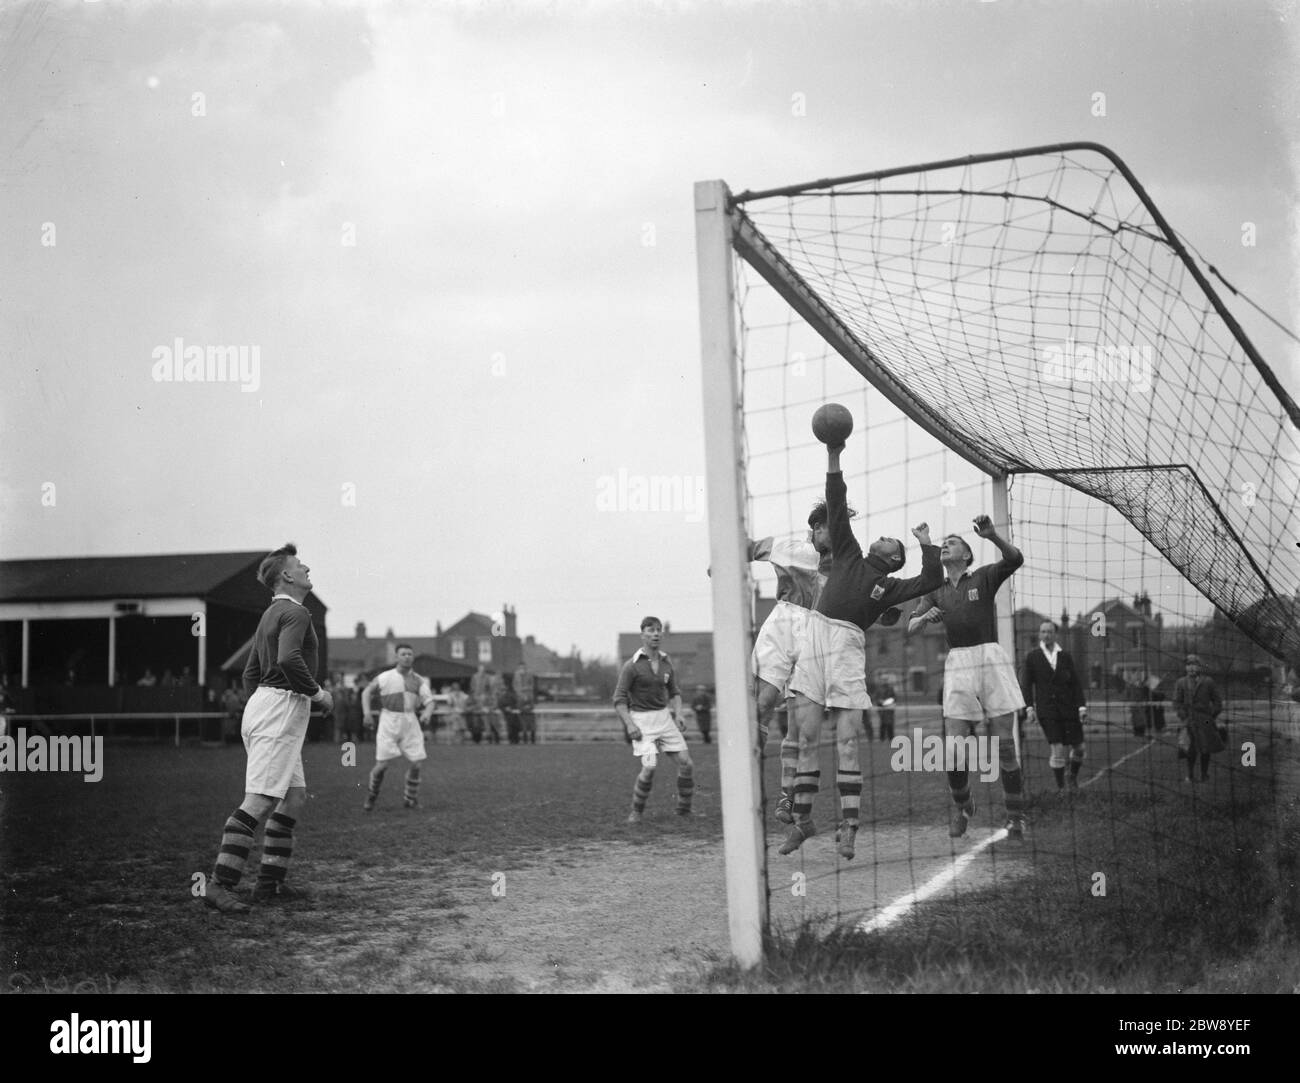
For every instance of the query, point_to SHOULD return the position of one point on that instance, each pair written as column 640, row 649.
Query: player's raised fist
column 983, row 526
column 934, row 615
column 922, row 533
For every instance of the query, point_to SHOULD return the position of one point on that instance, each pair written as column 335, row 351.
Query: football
column 832, row 424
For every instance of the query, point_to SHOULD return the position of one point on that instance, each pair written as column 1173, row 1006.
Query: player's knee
column 257, row 805
column 294, row 801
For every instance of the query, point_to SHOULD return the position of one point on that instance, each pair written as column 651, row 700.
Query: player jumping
column 399, row 732
column 801, row 570
column 978, row 678
column 831, row 668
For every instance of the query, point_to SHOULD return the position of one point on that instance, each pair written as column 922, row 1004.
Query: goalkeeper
column 830, row 671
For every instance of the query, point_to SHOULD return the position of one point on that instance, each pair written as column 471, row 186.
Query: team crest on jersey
column 973, row 595
column 877, row 592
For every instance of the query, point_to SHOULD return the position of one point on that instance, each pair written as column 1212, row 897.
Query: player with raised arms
column 831, row 668
column 979, row 680
column 399, row 733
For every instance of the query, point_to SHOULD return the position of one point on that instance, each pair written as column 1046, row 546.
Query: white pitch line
column 899, row 908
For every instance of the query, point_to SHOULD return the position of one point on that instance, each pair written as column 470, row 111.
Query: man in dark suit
column 1054, row 695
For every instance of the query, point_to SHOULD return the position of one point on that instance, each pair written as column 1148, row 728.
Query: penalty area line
column 900, row 907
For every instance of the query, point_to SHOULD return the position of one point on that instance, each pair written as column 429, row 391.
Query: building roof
column 476, row 623
column 167, row 575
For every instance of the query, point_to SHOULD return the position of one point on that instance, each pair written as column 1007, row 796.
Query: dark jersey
column 970, row 615
column 284, row 650
column 641, row 688
column 857, row 591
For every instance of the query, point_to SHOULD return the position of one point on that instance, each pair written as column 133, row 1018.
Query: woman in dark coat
column 1198, row 703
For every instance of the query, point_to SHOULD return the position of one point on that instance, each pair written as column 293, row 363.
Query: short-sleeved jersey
column 800, row 570
column 402, row 693
column 641, row 688
column 284, row 649
column 970, row 614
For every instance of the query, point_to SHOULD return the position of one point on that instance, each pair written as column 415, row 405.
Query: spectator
column 186, row 678
column 508, row 703
column 702, row 706
column 148, row 680
column 233, row 704
column 883, row 697
column 480, row 689
column 527, row 698
column 1198, row 703
column 459, row 703
column 168, row 681
column 351, row 714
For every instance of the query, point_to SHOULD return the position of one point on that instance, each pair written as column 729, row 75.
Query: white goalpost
column 737, row 719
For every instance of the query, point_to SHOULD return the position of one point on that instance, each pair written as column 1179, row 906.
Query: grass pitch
column 519, row 874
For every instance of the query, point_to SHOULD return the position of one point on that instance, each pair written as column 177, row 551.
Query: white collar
column 286, row 597
column 641, row 652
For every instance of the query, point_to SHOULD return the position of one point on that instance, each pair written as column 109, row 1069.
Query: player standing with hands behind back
column 281, row 686
column 979, row 680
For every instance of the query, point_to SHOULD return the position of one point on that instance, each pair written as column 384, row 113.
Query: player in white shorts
column 649, row 704
column 831, row 670
column 398, row 734
column 801, row 570
column 979, row 681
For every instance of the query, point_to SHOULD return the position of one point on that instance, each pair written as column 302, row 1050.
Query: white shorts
column 399, row 735
column 777, row 645
column 275, row 723
column 831, row 668
column 979, row 682
column 659, row 733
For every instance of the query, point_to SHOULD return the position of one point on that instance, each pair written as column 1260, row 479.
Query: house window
column 458, row 648
column 917, row 676
column 485, row 650
column 1135, row 636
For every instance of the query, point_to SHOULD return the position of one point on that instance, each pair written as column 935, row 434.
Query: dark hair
column 970, row 553
column 1048, row 620
column 268, row 572
column 403, row 647
column 819, row 515
column 647, row 621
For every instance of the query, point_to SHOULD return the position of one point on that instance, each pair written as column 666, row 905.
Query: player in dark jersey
column 831, row 667
column 979, row 681
column 281, row 683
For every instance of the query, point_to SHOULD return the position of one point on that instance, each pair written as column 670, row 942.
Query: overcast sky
column 461, row 240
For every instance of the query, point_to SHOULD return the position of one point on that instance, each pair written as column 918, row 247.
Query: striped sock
column 1076, row 760
column 1011, row 788
column 277, row 848
column 789, row 762
column 849, row 784
column 685, row 787
column 376, row 780
column 641, row 791
column 806, row 784
column 236, row 841
column 412, row 788
column 959, row 786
